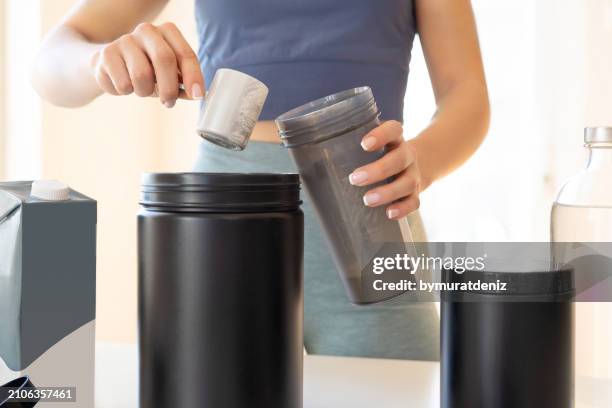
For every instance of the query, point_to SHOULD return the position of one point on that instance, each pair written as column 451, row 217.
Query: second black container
column 220, row 291
column 508, row 348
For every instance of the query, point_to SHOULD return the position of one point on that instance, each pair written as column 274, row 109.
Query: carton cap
column 50, row 190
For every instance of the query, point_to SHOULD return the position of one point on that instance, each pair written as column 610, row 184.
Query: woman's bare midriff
column 265, row 131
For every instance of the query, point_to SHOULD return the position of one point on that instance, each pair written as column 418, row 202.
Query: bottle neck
column 600, row 155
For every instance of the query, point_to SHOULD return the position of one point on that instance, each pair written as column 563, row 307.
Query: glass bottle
column 582, row 213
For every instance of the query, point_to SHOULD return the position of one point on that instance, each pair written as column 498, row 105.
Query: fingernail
column 196, row 92
column 368, row 143
column 358, row 177
column 169, row 104
column 392, row 213
column 371, row 198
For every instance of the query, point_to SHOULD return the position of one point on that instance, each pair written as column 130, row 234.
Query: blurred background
column 547, row 62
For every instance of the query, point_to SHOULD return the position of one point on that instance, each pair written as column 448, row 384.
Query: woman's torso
column 303, row 50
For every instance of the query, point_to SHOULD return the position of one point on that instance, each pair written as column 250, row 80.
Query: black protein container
column 512, row 348
column 220, row 291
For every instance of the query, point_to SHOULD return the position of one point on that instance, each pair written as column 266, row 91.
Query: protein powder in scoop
column 231, row 109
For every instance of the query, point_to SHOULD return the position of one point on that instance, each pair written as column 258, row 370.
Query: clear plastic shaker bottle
column 324, row 139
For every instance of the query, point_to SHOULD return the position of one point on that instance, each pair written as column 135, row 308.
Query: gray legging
column 394, row 329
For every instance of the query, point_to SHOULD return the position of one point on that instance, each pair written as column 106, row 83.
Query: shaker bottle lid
column 598, row 134
column 219, row 192
column 231, row 109
column 327, row 117
column 50, row 190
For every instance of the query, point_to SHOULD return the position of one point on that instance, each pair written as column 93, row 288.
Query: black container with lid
column 508, row 348
column 220, row 290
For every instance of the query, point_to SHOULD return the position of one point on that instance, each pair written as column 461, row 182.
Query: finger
column 115, row 68
column 403, row 207
column 188, row 63
column 104, row 82
column 164, row 62
column 389, row 165
column 404, row 185
column 138, row 66
column 390, row 134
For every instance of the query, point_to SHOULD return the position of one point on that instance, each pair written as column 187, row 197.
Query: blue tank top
column 307, row 49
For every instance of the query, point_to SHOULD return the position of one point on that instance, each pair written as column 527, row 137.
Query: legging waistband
column 257, row 157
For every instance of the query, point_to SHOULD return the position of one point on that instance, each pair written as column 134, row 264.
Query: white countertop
column 328, row 381
column 336, row 382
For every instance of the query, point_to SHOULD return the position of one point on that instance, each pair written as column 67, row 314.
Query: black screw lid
column 220, row 192
column 532, row 281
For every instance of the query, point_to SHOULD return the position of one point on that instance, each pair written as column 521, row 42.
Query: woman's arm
column 109, row 46
column 447, row 29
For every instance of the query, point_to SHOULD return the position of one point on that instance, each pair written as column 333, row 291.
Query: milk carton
column 47, row 290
